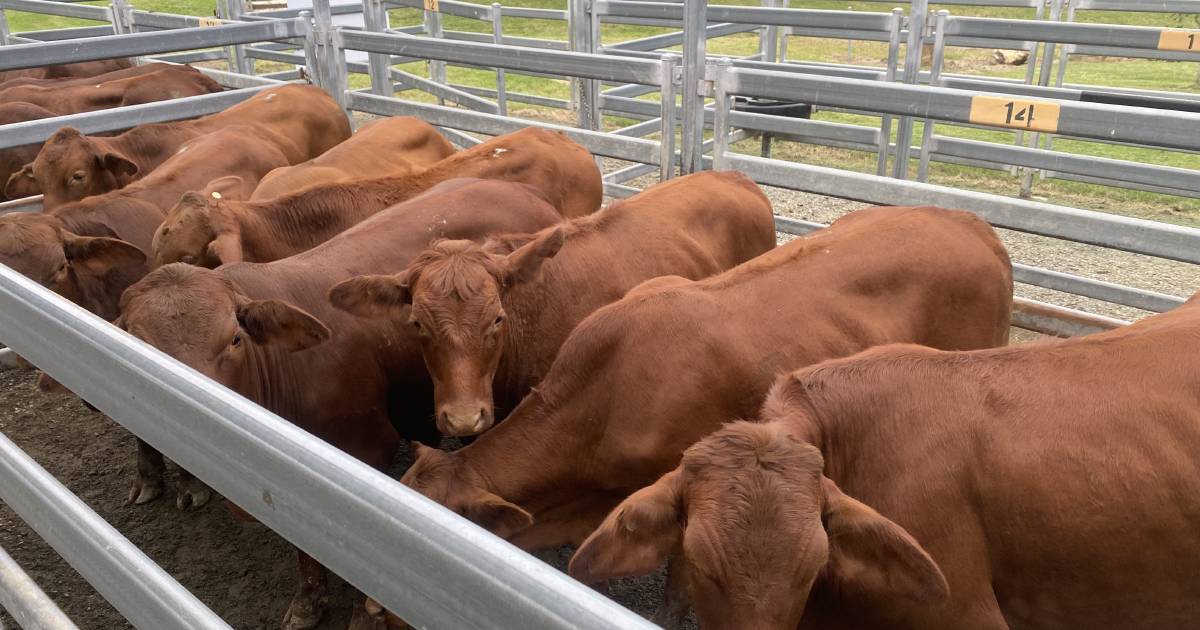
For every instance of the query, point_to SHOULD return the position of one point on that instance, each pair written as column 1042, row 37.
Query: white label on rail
column 1015, row 113
column 1179, row 39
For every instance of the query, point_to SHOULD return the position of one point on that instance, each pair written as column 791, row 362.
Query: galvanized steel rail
column 25, row 601
column 126, row 577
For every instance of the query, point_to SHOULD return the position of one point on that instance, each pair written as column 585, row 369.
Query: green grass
column 1156, row 75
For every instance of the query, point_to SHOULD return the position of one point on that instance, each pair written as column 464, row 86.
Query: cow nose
column 463, row 420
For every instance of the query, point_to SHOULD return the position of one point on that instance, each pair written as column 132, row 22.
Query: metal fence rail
column 25, row 601
column 126, row 577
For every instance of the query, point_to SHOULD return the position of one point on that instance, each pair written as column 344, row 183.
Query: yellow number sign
column 1179, row 39
column 206, row 22
column 1015, row 113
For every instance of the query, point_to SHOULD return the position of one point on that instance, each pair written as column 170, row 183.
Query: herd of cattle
column 654, row 381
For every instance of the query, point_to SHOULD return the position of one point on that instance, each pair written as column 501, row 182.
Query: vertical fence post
column 330, row 56
column 501, row 78
column 119, row 14
column 912, row 70
column 1043, row 80
column 433, row 28
column 379, row 65
column 582, row 40
column 695, row 18
column 4, row 32
column 723, row 102
column 238, row 61
column 667, row 64
column 312, row 60
column 1060, row 76
column 893, row 58
column 768, row 37
column 1030, row 71
column 935, row 74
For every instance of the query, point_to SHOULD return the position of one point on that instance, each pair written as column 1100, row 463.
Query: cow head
column 441, row 477
column 456, row 293
column 197, row 316
column 752, row 522
column 72, row 166
column 90, row 271
column 197, row 230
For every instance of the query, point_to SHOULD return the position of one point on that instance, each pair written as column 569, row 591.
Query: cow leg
column 675, row 603
column 311, row 598
column 148, row 484
column 192, row 493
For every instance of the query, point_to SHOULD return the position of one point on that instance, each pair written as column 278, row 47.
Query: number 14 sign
column 1015, row 113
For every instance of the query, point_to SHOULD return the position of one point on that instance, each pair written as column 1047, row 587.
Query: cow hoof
column 193, row 497
column 364, row 619
column 144, row 490
column 303, row 613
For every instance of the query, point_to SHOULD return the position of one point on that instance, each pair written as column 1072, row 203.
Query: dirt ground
column 243, row 571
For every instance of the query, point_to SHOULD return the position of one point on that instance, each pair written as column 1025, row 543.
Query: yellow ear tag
column 216, row 195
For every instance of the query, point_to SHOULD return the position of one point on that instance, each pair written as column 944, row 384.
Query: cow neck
column 524, row 457
column 305, row 219
column 529, row 308
column 143, row 145
column 271, row 376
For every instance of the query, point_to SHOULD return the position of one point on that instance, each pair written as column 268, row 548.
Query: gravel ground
column 243, row 571
column 246, row 573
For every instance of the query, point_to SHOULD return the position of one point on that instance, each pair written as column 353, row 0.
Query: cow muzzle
column 464, row 419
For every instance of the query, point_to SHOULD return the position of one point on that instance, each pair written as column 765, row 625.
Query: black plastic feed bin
column 772, row 108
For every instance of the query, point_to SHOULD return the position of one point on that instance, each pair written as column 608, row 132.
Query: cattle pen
column 393, row 544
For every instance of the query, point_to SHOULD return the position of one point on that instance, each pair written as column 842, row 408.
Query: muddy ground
column 243, row 571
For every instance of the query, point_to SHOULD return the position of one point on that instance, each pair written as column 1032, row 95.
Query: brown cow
column 65, row 70
column 640, row 380
column 12, row 159
column 264, row 330
column 487, row 318
column 123, row 73
column 133, row 213
column 301, row 121
column 389, row 146
column 209, row 233
column 164, row 83
column 1047, row 485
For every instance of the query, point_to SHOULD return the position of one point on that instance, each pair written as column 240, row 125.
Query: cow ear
column 524, row 264
column 226, row 246
column 228, row 187
column 497, row 515
column 119, row 165
column 636, row 537
column 15, row 180
column 874, row 554
column 272, row 322
column 372, row 296
column 100, row 255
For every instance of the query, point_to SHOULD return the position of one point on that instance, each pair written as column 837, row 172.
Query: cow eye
column 496, row 323
column 77, row 176
column 419, row 327
column 237, row 340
